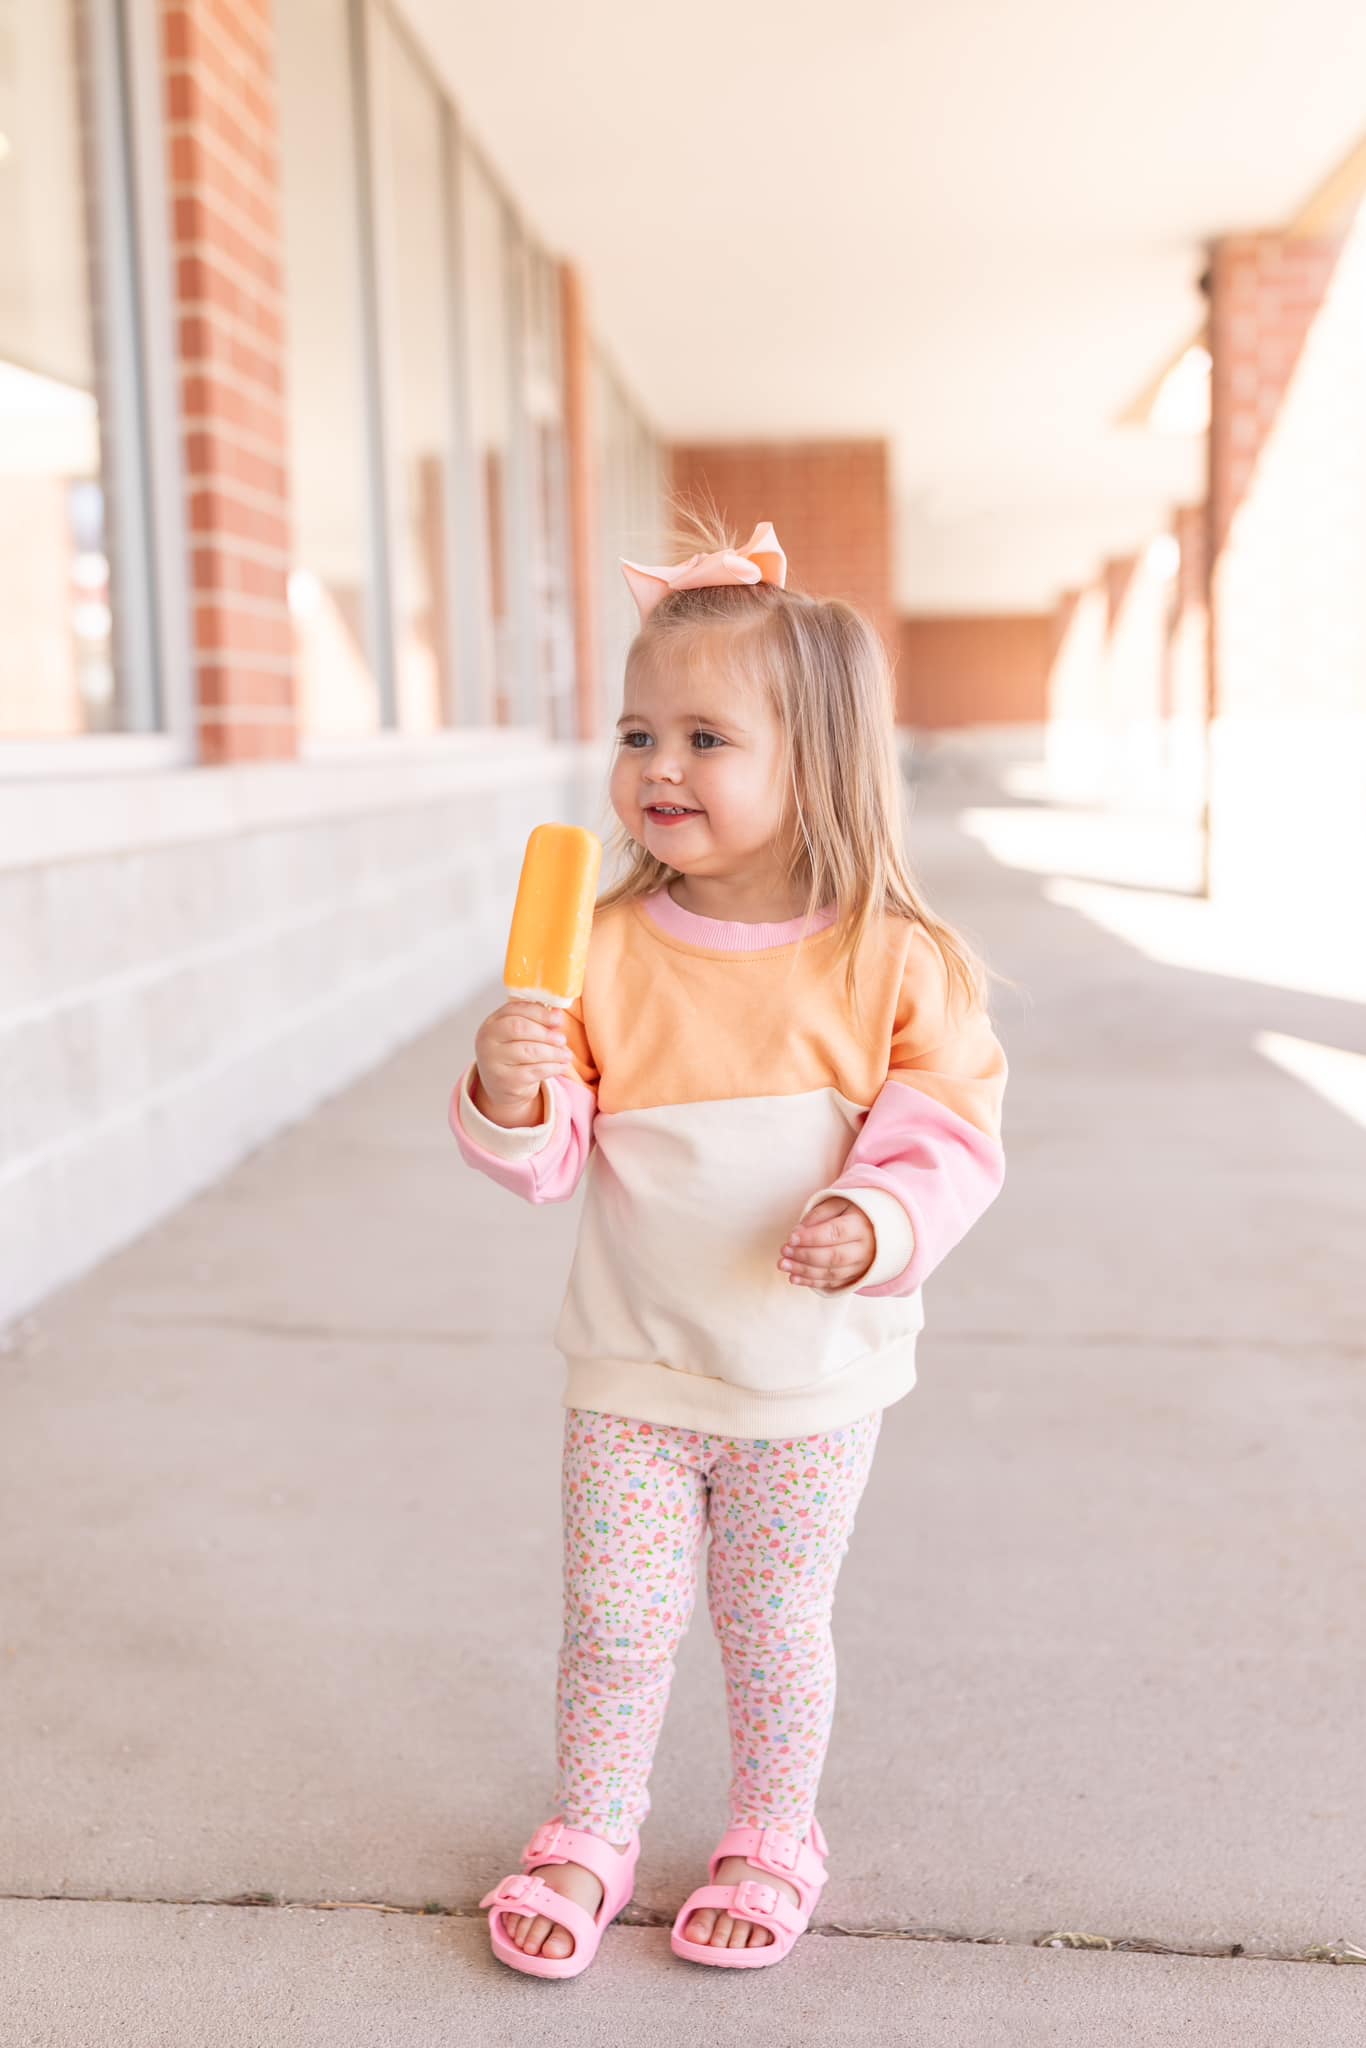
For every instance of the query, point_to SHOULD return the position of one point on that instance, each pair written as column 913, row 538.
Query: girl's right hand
column 516, row 1049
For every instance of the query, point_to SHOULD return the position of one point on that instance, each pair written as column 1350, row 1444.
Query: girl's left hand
column 830, row 1248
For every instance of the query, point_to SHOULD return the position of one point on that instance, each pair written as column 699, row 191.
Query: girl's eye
column 714, row 739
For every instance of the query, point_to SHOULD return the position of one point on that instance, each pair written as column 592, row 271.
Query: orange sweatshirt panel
column 655, row 1032
column 648, row 1030
column 943, row 1046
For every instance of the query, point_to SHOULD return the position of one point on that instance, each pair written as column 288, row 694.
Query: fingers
column 529, row 1055
column 827, row 1279
column 831, row 1228
column 518, row 1034
column 815, row 1258
column 829, row 1253
column 522, row 1077
column 519, row 1047
column 508, row 1029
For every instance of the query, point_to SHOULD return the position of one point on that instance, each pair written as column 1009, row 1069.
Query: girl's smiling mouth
column 669, row 814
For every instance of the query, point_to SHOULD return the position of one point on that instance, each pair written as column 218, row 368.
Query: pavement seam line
column 265, row 1326
column 1339, row 1951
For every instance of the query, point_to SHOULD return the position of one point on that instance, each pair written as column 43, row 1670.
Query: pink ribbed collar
column 723, row 935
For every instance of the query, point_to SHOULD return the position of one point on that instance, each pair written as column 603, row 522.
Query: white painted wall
column 191, row 960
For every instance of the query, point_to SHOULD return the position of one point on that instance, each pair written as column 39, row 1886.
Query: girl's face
column 693, row 743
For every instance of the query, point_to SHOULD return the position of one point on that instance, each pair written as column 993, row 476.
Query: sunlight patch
column 1338, row 1076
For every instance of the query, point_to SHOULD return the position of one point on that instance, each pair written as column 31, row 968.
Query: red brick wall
column 969, row 670
column 228, row 302
column 830, row 502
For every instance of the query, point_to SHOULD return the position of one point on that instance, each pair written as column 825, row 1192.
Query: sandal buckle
column 780, row 1848
column 753, row 1897
column 546, row 1840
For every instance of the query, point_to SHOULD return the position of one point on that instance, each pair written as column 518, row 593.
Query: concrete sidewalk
column 279, row 1581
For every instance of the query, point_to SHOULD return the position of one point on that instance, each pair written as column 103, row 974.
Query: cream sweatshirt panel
column 685, row 1213
column 691, row 1400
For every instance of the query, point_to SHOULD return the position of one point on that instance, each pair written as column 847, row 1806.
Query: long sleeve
column 542, row 1162
column 928, row 1160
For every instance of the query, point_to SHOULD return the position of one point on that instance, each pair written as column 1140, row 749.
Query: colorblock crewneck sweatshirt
column 721, row 1089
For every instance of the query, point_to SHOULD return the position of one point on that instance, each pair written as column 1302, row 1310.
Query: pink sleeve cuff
column 938, row 1169
column 541, row 1162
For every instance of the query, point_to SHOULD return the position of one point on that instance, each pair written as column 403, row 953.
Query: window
column 489, row 305
column 331, row 584
column 411, row 193
column 551, row 595
column 76, row 651
column 432, row 578
column 630, row 468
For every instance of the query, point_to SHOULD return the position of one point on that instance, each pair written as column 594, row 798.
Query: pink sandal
column 801, row 1863
column 553, row 1842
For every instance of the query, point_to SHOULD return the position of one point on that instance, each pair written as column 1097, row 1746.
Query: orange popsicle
column 548, row 944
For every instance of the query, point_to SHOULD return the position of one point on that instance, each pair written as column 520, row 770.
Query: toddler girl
column 783, row 1093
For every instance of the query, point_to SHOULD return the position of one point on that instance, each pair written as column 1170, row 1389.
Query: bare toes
column 699, row 1928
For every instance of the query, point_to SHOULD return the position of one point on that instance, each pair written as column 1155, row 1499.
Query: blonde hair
column 824, row 669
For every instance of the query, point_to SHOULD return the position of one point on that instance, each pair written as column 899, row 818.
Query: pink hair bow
column 760, row 560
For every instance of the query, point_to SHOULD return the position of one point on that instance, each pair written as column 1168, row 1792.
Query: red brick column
column 830, row 501
column 582, row 487
column 1287, row 597
column 1265, row 291
column 228, row 302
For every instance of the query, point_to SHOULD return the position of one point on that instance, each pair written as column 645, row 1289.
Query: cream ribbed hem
column 692, row 1400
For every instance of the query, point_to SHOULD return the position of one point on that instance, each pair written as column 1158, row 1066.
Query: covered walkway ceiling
column 974, row 226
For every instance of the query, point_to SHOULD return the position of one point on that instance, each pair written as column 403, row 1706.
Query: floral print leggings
column 638, row 1498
